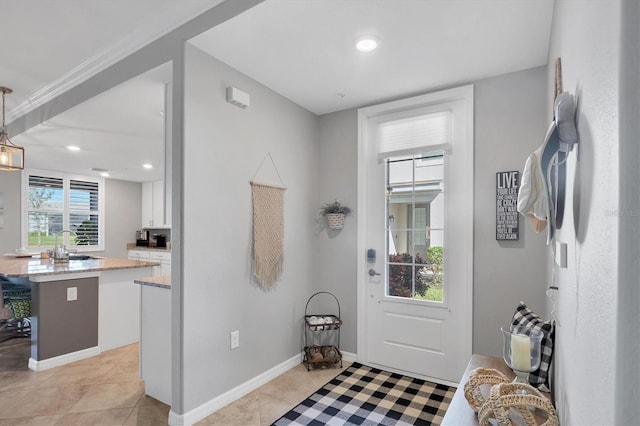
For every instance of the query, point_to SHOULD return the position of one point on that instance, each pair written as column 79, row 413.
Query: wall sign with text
column 507, row 217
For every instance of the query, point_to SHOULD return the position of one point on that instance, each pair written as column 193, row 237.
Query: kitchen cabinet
column 164, row 257
column 155, row 343
column 139, row 255
column 155, row 339
column 118, row 308
column 153, row 204
column 165, row 262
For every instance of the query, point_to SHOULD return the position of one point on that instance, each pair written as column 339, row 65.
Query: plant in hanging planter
column 335, row 213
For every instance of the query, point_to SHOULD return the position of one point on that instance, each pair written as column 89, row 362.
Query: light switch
column 72, row 293
column 235, row 339
column 561, row 254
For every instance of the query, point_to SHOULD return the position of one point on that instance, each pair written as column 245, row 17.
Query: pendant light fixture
column 11, row 156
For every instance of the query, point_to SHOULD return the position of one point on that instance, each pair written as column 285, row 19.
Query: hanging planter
column 335, row 213
column 335, row 220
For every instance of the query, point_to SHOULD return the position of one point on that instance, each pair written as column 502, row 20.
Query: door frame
column 464, row 147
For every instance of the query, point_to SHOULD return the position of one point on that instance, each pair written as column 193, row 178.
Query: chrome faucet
column 60, row 254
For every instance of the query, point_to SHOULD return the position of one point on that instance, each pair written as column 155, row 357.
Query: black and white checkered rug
column 363, row 395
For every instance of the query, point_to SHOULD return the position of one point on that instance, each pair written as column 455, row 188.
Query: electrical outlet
column 235, row 339
column 72, row 293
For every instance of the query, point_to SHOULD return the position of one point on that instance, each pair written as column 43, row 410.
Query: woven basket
column 328, row 356
column 505, row 399
column 477, row 379
column 335, row 220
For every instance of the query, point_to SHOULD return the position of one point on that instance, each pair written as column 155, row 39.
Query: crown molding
column 149, row 31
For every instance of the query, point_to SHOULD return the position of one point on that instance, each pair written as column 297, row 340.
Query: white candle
column 520, row 352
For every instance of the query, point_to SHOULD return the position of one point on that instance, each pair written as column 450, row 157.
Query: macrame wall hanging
column 268, row 229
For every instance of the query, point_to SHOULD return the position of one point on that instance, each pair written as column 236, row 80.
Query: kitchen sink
column 80, row 257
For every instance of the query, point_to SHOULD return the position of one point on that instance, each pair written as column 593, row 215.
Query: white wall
column 586, row 35
column 223, row 147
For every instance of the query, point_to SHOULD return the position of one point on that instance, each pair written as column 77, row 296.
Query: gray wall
column 123, row 204
column 597, row 335
column 335, row 251
column 628, row 339
column 223, row 148
column 167, row 48
column 510, row 122
column 123, row 201
column 10, row 184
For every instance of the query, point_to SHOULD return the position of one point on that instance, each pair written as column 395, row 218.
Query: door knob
column 373, row 273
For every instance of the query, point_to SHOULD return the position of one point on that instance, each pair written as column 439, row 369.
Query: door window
column 415, row 227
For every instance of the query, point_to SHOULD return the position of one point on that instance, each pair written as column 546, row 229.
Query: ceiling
column 302, row 49
column 117, row 131
column 60, row 42
column 305, row 50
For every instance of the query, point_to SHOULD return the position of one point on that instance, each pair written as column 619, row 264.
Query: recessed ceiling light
column 367, row 44
column 73, row 148
column 104, row 174
column 147, row 166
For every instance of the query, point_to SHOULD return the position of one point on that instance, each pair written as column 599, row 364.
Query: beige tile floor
column 267, row 403
column 106, row 390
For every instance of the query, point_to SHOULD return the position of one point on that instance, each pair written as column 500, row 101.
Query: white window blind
column 57, row 202
column 84, row 211
column 418, row 133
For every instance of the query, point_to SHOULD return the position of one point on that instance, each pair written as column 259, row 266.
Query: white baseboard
column 57, row 361
column 213, row 405
column 349, row 356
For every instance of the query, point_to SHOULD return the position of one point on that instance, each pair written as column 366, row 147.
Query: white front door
column 415, row 209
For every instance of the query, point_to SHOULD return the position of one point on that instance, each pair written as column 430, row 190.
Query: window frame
column 458, row 103
column 411, row 227
column 66, row 210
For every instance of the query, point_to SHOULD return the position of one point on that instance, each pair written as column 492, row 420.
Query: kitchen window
column 55, row 202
